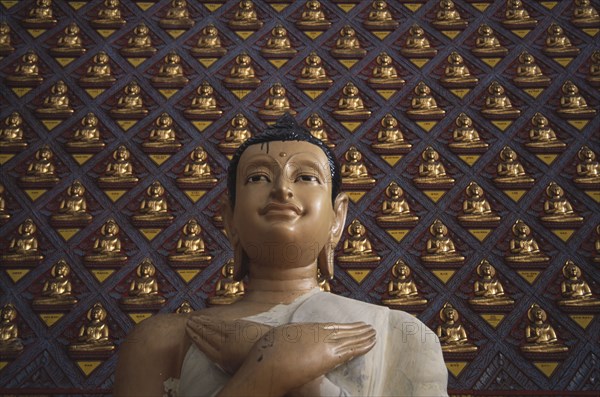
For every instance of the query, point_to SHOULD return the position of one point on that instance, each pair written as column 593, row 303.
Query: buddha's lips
column 280, row 207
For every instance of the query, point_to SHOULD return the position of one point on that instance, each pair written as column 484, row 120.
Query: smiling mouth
column 280, row 209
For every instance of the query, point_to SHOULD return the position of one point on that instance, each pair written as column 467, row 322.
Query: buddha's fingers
column 343, row 326
column 354, row 339
column 355, row 349
column 345, row 332
column 207, row 340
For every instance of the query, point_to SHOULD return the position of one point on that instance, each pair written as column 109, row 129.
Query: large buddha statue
column 557, row 209
column 204, row 106
column 350, row 105
column 209, row 43
column 23, row 249
column 432, row 173
column 107, row 249
column 423, row 105
column 402, row 289
column 447, row 17
column 542, row 137
column 456, row 73
column 417, row 45
column 10, row 343
column 139, row 43
column 574, row 290
column 557, row 43
column 197, row 172
column 170, row 73
column 177, row 16
column 242, row 74
column 57, row 104
column 316, row 127
column 190, row 248
column 245, row 17
column 451, row 332
column 529, row 74
column 497, row 104
column 228, row 290
column 585, row 15
column 465, row 137
column 510, row 172
column 380, row 17
column 395, row 208
column 573, row 104
column 69, row 43
column 162, row 138
column 588, row 169
column 41, row 171
column 516, row 16
column 278, row 45
column 540, row 336
column 26, row 73
column 476, row 210
column 236, row 134
column 354, row 172
column 143, row 289
column 130, row 104
column 357, row 247
column 440, row 248
column 87, row 138
column 313, row 17
column 276, row 104
column 384, row 74
column 593, row 76
column 119, row 170
column 12, row 138
column 347, row 44
column 94, row 335
column 487, row 44
column 313, row 73
column 154, row 208
column 390, row 138
column 6, row 46
column 57, row 291
column 523, row 248
column 40, row 15
column 99, row 73
column 108, row 15
column 487, row 288
column 73, row 210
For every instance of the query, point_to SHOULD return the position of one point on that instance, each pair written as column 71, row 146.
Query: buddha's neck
column 280, row 285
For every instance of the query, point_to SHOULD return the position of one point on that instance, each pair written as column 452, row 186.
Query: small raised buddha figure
column 12, row 137
column 557, row 208
column 143, row 289
column 465, row 137
column 323, row 282
column 390, row 137
column 130, row 104
column 476, row 209
column 5, row 39
column 542, row 137
column 353, row 170
column 41, row 171
column 574, row 289
column 23, row 249
column 99, row 73
column 487, row 288
column 197, row 171
column 245, row 17
column 423, row 105
column 313, row 17
column 109, row 15
column 540, row 336
column 487, row 44
column 242, row 74
column 585, row 15
column 57, row 104
column 107, row 248
column 588, row 168
column 384, row 74
column 417, row 44
column 10, row 343
column 451, row 332
column 227, row 290
column 204, row 106
column 70, row 43
column 395, row 208
column 57, row 289
column 87, row 137
column 184, row 308
column 440, row 248
column 402, row 289
column 276, row 103
column 209, row 43
column 523, row 248
column 119, row 171
column 4, row 215
column 497, row 104
column 510, row 172
column 154, row 207
column 163, row 137
column 432, row 172
column 347, row 44
column 573, row 104
column 357, row 247
column 380, row 17
column 177, row 16
column 529, row 74
column 456, row 73
column 236, row 134
column 139, row 43
column 313, row 73
column 26, row 72
column 516, row 16
column 94, row 335
column 278, row 45
column 316, row 127
column 593, row 76
column 448, row 17
column 40, row 15
column 350, row 105
column 73, row 209
column 190, row 246
column 170, row 73
column 557, row 43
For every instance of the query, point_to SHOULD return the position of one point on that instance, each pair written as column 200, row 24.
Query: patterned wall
column 46, row 363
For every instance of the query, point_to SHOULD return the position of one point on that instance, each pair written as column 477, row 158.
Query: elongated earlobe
column 240, row 259
column 325, row 261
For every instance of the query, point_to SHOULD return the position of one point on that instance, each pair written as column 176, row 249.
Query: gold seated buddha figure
column 242, row 74
column 476, row 209
column 402, row 289
column 540, row 336
column 87, row 138
column 236, row 134
column 107, row 249
column 573, row 104
column 597, row 245
column 357, row 248
column 451, row 332
column 440, row 248
column 41, row 171
column 4, row 215
column 162, row 138
column 6, row 46
column 588, row 169
column 70, row 43
column 177, row 16
column 184, row 308
column 245, row 17
column 347, row 45
column 153, row 209
column 108, row 16
column 557, row 43
column 487, row 44
column 99, row 73
column 58, row 289
column 510, row 172
column 23, row 249
column 10, row 343
column 395, row 208
column 487, row 288
column 432, row 173
column 57, row 104
column 529, row 74
column 143, row 289
column 524, row 249
column 390, row 138
column 516, row 16
column 190, row 248
column 313, row 17
column 278, row 45
column 316, row 127
column 170, row 73
column 11, row 134
column 456, row 73
column 447, row 17
column 465, row 137
column 209, row 43
column 73, row 209
column 204, row 105
column 585, row 15
column 380, row 17
column 26, row 72
column 354, row 172
column 574, row 289
column 557, row 209
column 130, row 104
column 542, row 137
column 423, row 105
column 497, row 104
column 276, row 104
column 197, row 172
column 593, row 76
column 351, row 106
column 227, row 290
column 94, row 335
column 139, row 43
column 417, row 45
column 313, row 73
column 119, row 171
column 385, row 74
column 40, row 15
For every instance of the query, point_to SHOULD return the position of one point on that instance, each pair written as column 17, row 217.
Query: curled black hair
column 285, row 129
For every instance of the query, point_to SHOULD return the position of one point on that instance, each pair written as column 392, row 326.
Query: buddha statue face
column 59, row 88
column 97, row 313
column 132, row 88
column 27, row 228
column 485, row 30
column 526, row 58
column 44, row 154
column 179, row 3
column 430, row 155
column 537, row 314
column 192, row 228
column 30, row 57
column 313, row 5
column 146, row 269
column 586, row 154
column 4, row 28
column 205, row 89
column 239, row 121
column 539, row 120
column 569, row 88
column 447, row 4
column 8, row 314
column 389, row 121
column 246, row 5
column 464, row 121
column 384, row 59
column 277, row 90
column 172, row 58
column 474, row 190
column 199, row 154
column 101, row 58
column 438, row 229
column 485, row 270
column 111, row 4
column 596, row 57
column 571, row 270
column 121, row 153
column 14, row 119
column 315, row 121
column 110, row 228
column 350, row 90
column 164, row 121
column 347, row 31
column 44, row 3
column 72, row 29
column 455, row 58
column 520, row 229
column 356, row 229
column 76, row 189
column 243, row 60
column 61, row 269
column 313, row 59
column 554, row 191
column 422, row 89
column 555, row 30
column 515, row 4
column 155, row 190
column 141, row 30
column 353, row 155
column 394, row 191
column 379, row 5
column 496, row 89
column 210, row 30
column 279, row 31
column 416, row 31
column 90, row 120
column 507, row 154
column 449, row 314
column 403, row 271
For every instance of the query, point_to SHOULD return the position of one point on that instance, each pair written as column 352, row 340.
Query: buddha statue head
column 520, row 229
column 526, row 58
column 569, row 88
column 438, row 229
column 586, row 154
column 394, row 190
column 146, row 268
column 539, row 120
column 507, row 154
column 448, row 314
column 463, row 121
column 536, row 314
column 110, row 228
column 192, row 228
column 485, row 270
column 554, row 191
column 60, row 269
column 76, row 189
column 400, row 270
column 571, row 271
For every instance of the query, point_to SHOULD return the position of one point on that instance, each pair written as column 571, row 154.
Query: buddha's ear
column 240, row 259
column 340, row 209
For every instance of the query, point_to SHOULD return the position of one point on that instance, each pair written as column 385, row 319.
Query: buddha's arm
column 565, row 290
column 530, row 334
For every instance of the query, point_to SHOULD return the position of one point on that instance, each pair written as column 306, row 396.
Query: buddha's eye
column 307, row 178
column 258, row 178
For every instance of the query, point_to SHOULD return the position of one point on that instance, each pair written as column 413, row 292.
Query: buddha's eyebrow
column 306, row 162
column 259, row 161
